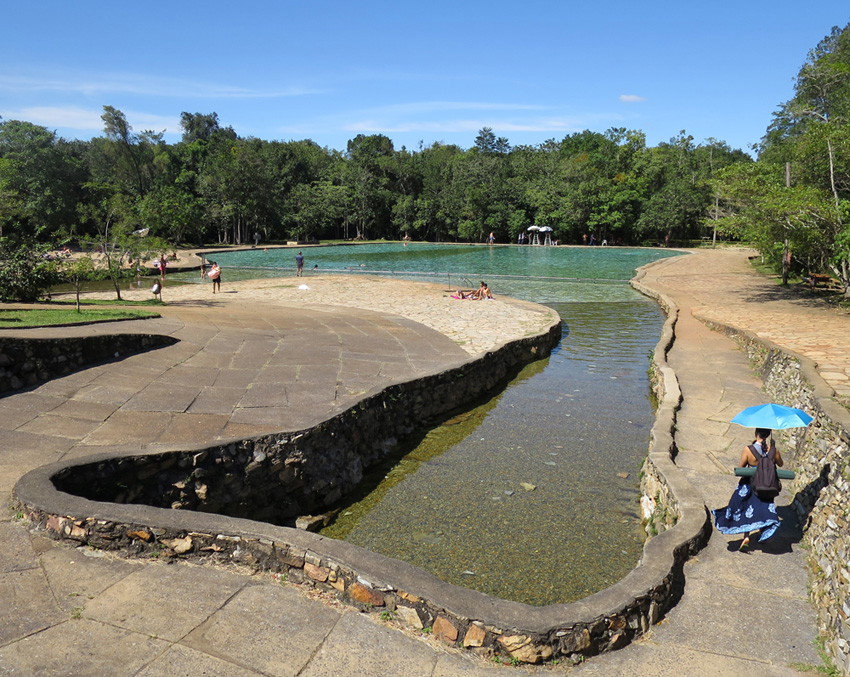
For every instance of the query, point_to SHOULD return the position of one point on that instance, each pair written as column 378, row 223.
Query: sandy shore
column 477, row 326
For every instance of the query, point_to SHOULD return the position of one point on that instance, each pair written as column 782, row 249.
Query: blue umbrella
column 773, row 416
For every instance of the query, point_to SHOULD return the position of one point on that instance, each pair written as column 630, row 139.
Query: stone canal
column 531, row 496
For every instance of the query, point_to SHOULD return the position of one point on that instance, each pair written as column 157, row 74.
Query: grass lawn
column 40, row 317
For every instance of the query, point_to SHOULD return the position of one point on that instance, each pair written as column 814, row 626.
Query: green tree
column 120, row 246
column 812, row 132
column 77, row 271
column 39, row 180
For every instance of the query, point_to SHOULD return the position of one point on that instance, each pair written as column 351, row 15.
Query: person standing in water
column 299, row 264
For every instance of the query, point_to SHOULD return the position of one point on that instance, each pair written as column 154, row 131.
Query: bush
column 26, row 270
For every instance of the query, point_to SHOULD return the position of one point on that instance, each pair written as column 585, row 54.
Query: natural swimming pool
column 574, row 427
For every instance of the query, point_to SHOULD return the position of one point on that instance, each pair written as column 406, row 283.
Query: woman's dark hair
column 765, row 434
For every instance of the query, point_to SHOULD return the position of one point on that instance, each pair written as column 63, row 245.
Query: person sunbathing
column 483, row 292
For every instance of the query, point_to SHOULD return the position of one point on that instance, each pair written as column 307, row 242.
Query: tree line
column 215, row 187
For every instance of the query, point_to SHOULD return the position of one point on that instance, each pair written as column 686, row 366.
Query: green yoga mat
column 749, row 472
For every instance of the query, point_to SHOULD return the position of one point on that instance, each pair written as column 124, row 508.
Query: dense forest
column 214, row 186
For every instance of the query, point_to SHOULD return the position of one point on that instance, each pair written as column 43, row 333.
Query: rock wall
column 276, row 478
column 660, row 509
column 820, row 456
column 25, row 362
column 205, row 478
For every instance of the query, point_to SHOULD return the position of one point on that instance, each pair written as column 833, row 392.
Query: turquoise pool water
column 532, row 495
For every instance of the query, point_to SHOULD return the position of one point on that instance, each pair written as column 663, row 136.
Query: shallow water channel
column 531, row 496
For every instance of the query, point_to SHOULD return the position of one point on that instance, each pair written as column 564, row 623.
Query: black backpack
column 766, row 480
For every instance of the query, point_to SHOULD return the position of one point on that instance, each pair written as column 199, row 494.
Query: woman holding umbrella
column 750, row 510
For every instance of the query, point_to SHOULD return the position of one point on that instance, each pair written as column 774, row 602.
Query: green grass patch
column 43, row 317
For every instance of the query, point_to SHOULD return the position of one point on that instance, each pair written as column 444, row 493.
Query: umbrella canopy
column 533, row 228
column 773, row 416
column 546, row 229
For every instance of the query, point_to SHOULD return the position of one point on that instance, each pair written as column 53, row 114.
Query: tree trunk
column 786, row 260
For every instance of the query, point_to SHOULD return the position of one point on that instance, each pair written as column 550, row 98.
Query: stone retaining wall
column 660, row 509
column 606, row 620
column 819, row 455
column 25, row 362
column 276, row 478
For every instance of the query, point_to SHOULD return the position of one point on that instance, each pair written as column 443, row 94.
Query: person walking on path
column 299, row 264
column 215, row 276
column 751, row 507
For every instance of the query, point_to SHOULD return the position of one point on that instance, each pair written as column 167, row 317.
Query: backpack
column 765, row 480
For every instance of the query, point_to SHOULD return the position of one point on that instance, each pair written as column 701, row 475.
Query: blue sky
column 435, row 71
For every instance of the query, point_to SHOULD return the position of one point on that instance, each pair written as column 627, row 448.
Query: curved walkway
column 263, row 356
column 81, row 612
column 739, row 613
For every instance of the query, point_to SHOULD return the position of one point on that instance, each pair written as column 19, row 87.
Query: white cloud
column 54, row 116
column 465, row 125
column 431, row 106
column 631, row 98
column 142, row 85
column 82, row 119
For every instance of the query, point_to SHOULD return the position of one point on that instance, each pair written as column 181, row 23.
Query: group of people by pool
column 482, row 293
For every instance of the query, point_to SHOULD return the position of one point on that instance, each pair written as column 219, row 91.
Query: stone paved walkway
column 71, row 611
column 262, row 356
column 739, row 613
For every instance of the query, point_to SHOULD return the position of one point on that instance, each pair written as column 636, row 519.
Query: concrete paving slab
column 698, row 463
column 277, row 374
column 202, row 426
column 10, row 418
column 142, row 426
column 68, row 385
column 92, row 411
column 236, row 378
column 757, row 570
column 24, row 447
column 76, row 576
column 36, row 401
column 60, row 426
column 185, row 662
column 270, row 629
column 80, row 647
column 265, row 395
column 465, row 666
column 651, row 659
column 216, row 400
column 105, row 394
column 207, row 359
column 358, row 646
column 28, row 606
column 165, row 397
column 190, row 376
column 273, row 417
column 18, row 553
column 719, row 622
column 166, row 601
column 698, row 439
